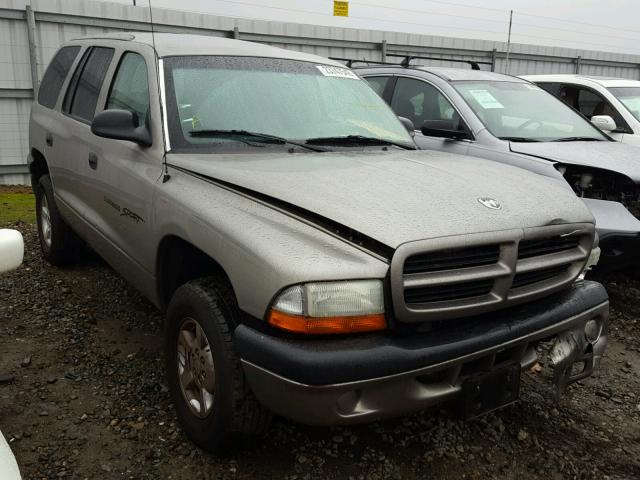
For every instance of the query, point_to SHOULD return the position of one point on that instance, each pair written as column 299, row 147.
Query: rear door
column 420, row 101
column 75, row 183
column 47, row 133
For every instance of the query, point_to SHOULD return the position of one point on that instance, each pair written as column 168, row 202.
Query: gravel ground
column 83, row 395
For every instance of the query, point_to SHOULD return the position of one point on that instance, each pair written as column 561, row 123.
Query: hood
column 401, row 196
column 614, row 156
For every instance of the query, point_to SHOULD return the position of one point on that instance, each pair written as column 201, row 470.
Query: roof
column 451, row 74
column 584, row 79
column 173, row 44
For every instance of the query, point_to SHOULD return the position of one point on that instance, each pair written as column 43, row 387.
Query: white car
column 612, row 104
column 11, row 255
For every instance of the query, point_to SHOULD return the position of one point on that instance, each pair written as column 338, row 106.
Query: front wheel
column 212, row 400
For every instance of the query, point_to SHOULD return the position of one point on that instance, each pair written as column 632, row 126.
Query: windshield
column 524, row 112
column 288, row 99
column 630, row 97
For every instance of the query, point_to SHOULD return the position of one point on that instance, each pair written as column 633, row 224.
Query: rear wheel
column 213, row 402
column 59, row 244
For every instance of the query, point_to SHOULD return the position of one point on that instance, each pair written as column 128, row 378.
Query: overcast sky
column 610, row 25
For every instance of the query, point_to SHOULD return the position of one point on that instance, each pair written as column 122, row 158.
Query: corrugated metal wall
column 55, row 21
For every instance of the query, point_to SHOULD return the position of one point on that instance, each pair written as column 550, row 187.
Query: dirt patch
column 15, row 189
column 91, row 402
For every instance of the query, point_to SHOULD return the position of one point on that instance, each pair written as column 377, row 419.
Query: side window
column 54, row 76
column 420, row 101
column 552, row 88
column 130, row 87
column 591, row 103
column 569, row 95
column 378, row 84
column 82, row 100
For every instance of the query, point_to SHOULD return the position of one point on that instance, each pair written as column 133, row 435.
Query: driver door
column 420, row 101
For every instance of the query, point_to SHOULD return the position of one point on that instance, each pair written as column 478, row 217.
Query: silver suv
column 310, row 260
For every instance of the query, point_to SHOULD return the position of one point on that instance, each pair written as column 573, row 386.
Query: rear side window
column 54, row 76
column 130, row 88
column 85, row 88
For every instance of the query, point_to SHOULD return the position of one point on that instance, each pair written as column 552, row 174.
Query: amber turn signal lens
column 327, row 325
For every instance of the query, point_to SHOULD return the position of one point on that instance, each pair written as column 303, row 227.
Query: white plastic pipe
column 11, row 250
column 8, row 466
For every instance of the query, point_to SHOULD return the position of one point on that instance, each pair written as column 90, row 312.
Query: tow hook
column 576, row 353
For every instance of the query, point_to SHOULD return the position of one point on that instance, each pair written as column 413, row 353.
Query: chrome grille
column 471, row 274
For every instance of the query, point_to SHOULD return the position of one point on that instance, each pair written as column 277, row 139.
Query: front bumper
column 359, row 379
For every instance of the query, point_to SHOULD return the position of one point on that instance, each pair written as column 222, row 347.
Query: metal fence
column 31, row 33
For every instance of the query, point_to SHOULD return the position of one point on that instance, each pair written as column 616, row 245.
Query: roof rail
column 475, row 65
column 406, row 60
column 351, row 61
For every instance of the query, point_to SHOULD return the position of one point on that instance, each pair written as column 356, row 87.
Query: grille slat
column 545, row 246
column 448, row 292
column 535, row 276
column 452, row 259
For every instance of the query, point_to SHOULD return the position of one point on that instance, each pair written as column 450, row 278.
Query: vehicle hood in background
column 614, row 156
column 401, row 196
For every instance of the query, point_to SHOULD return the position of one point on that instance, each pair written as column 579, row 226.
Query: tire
column 234, row 411
column 59, row 244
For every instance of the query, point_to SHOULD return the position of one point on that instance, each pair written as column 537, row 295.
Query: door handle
column 49, row 139
column 93, row 161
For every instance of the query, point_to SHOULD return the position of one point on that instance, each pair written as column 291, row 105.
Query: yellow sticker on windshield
column 485, row 99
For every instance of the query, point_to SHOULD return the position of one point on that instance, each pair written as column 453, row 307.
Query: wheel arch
column 37, row 167
column 180, row 261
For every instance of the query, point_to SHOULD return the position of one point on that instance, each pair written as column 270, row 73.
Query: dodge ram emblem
column 490, row 203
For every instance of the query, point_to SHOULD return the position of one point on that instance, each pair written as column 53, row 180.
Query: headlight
column 592, row 261
column 330, row 307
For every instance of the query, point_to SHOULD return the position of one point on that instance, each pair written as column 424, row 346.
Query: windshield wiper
column 264, row 137
column 577, row 139
column 519, row 139
column 356, row 140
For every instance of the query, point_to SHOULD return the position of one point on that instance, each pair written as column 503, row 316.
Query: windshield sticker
column 485, row 99
column 329, row 71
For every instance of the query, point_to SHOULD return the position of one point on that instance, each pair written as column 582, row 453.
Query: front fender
column 261, row 250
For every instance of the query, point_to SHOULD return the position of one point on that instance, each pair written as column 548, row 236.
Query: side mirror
column 408, row 124
column 444, row 129
column 11, row 250
column 121, row 125
column 604, row 123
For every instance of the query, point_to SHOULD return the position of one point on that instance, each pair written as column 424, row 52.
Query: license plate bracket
column 489, row 390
